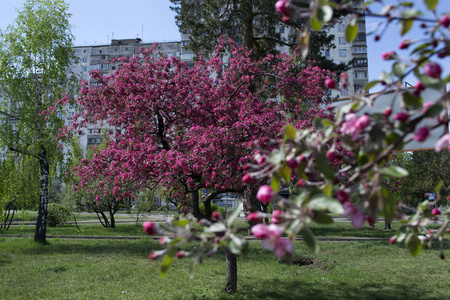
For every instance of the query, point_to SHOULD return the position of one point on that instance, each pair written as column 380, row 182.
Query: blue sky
column 97, row 21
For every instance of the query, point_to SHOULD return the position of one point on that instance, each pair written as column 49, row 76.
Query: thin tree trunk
column 41, row 224
column 231, row 272
column 112, row 223
column 195, row 204
column 247, row 23
column 208, row 209
column 251, row 204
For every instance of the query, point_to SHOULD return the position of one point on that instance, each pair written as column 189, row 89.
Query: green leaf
column 316, row 24
column 411, row 101
column 413, row 244
column 216, row 227
column 433, row 83
column 394, row 171
column 285, row 172
column 290, row 132
column 167, row 261
column 323, row 165
column 351, row 31
column 181, row 223
column 321, row 202
column 439, row 187
column 405, row 26
column 322, row 218
column 388, row 203
column 237, row 244
column 275, row 183
column 371, row 84
column 233, row 215
column 431, row 4
column 318, row 123
column 434, row 110
column 399, row 69
column 310, row 240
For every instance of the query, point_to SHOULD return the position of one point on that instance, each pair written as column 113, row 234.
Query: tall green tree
column 34, row 54
column 254, row 24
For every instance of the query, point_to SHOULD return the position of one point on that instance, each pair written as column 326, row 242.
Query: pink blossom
column 358, row 219
column 404, row 44
column 444, row 141
column 421, row 134
column 277, row 216
column 435, row 212
column 282, row 7
column 292, row 163
column 254, row 217
column 247, row 179
column 363, row 122
column 387, row 112
column 265, row 194
column 350, row 126
column 272, row 240
column 388, row 55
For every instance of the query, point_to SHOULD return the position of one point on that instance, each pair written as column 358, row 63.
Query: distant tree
column 34, row 54
column 253, row 24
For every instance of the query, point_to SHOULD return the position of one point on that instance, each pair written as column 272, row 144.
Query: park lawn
column 337, row 229
column 120, row 269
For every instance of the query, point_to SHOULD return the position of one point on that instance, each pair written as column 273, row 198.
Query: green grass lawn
column 120, row 269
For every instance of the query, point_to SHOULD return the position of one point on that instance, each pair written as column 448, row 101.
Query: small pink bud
column 265, row 194
column 448, row 198
column 342, row 196
column 441, row 255
column 181, row 254
column 292, row 163
column 254, row 217
column 442, row 54
column 421, row 134
column 282, row 7
column 164, row 240
column 370, row 220
column 285, row 19
column 204, row 222
column 277, row 216
column 376, row 38
column 300, row 182
column 215, row 215
column 332, row 156
column 387, row 112
column 344, row 76
column 432, row 70
column 435, row 212
column 445, row 21
column 153, row 255
column 330, row 83
column 401, row 116
column 149, row 227
column 404, row 44
column 261, row 159
column 362, row 122
column 392, row 240
column 388, row 55
column 247, row 179
column 302, row 159
column 419, row 86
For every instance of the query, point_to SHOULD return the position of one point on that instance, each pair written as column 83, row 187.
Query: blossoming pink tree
column 310, row 152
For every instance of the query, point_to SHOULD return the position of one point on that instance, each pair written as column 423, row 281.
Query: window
column 84, row 68
column 361, row 26
column 360, row 37
column 344, row 92
column 327, row 53
column 360, row 63
column 359, row 49
column 360, row 75
column 343, row 52
column 94, row 131
column 341, row 27
column 105, row 66
column 84, row 59
column 342, row 40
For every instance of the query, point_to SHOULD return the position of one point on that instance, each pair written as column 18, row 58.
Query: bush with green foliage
column 220, row 209
column 58, row 214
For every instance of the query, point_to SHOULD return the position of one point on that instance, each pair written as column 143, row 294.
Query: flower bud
column 215, row 215
column 435, row 212
column 421, row 134
column 154, row 255
column 254, row 217
column 441, row 255
column 330, row 83
column 277, row 216
column 265, row 194
column 300, row 182
column 432, row 70
column 387, row 112
column 393, row 239
column 247, row 179
column 150, row 227
column 401, row 116
column 388, row 55
column 404, row 44
column 362, row 122
column 292, row 163
column 445, row 21
column 282, row 7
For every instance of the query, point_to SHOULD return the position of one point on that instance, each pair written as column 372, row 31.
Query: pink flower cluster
column 272, row 240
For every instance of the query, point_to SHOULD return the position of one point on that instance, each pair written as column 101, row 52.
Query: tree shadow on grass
column 276, row 289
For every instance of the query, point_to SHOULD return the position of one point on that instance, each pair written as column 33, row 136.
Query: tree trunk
column 387, row 225
column 251, row 204
column 231, row 272
column 195, row 204
column 247, row 23
column 112, row 222
column 41, row 224
column 208, row 209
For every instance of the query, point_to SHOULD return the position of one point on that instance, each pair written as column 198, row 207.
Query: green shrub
column 57, row 215
column 214, row 207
